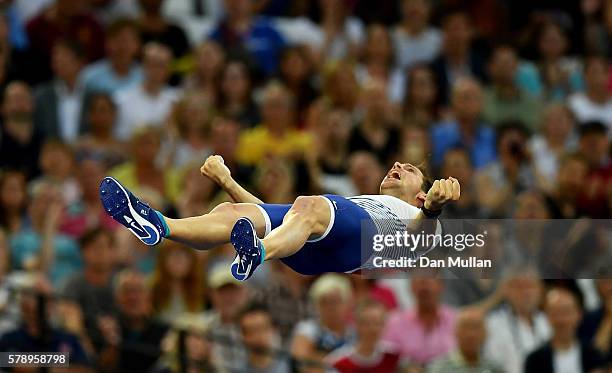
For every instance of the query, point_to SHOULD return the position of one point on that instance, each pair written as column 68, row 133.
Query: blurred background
column 513, row 98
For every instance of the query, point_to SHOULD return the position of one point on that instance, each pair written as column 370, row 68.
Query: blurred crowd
column 512, row 98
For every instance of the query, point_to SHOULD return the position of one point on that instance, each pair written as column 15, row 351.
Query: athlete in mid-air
column 315, row 234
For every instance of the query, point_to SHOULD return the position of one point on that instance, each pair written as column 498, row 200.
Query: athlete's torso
column 391, row 215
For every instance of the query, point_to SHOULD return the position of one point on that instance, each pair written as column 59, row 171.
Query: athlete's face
column 404, row 181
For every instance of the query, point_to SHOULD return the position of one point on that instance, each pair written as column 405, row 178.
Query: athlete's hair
column 427, row 180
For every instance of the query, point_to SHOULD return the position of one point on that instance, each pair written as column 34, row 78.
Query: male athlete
column 313, row 235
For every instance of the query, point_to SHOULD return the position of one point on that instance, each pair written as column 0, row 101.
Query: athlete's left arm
column 441, row 192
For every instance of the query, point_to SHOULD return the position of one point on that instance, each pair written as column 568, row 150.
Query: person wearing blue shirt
column 465, row 128
column 31, row 336
column 241, row 32
column 27, row 246
column 120, row 68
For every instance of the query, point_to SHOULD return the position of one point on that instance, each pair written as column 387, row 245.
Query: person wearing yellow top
column 276, row 135
column 142, row 173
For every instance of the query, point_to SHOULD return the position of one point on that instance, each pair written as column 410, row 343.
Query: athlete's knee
column 305, row 208
column 225, row 208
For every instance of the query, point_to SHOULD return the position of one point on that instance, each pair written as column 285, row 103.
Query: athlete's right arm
column 217, row 171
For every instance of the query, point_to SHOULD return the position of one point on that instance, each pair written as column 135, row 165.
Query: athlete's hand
column 441, row 192
column 216, row 170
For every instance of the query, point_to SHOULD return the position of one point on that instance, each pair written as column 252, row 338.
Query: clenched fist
column 441, row 192
column 216, row 170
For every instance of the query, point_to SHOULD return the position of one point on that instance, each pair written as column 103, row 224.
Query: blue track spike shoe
column 249, row 250
column 125, row 208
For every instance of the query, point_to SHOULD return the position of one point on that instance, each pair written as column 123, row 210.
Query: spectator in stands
column 504, row 99
column 465, row 128
column 596, row 325
column 99, row 141
column 13, row 201
column 314, row 338
column 331, row 150
column 593, row 145
column 150, row 102
column 236, row 99
column 510, row 174
column 341, row 33
column 368, row 353
column 15, row 60
column 563, row 352
column 228, row 297
column 377, row 63
column 371, row 289
column 206, row 75
column 296, row 72
column 375, row 133
column 91, row 288
column 559, row 74
column 276, row 135
column 59, row 104
column 39, row 245
column 275, row 181
column 188, row 9
column 555, row 138
column 198, row 195
column 9, row 310
column 518, row 327
column 197, row 348
column 365, row 172
column 415, row 40
column 132, row 341
column 106, row 11
column 261, row 339
column 241, row 32
column 190, row 121
column 34, row 334
column 224, row 139
column 86, row 212
column 458, row 58
column 20, row 141
column 456, row 163
column 420, row 104
column 119, row 69
column 142, row 172
column 595, row 103
column 471, row 333
column 57, row 165
column 177, row 283
column 564, row 198
column 286, row 292
column 154, row 27
column 340, row 87
column 429, row 324
column 61, row 20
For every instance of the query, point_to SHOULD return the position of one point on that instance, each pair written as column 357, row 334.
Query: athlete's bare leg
column 213, row 229
column 308, row 216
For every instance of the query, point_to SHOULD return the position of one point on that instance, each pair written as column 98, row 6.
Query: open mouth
column 394, row 175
